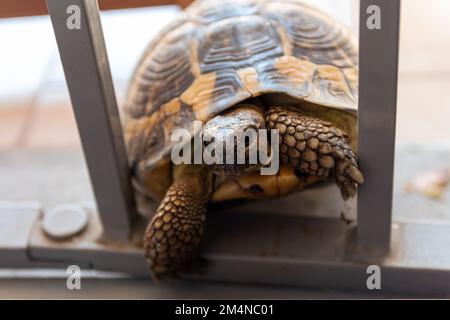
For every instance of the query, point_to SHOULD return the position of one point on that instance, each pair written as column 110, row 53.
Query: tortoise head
column 231, row 140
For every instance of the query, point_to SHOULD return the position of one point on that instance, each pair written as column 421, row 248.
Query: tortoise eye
column 256, row 189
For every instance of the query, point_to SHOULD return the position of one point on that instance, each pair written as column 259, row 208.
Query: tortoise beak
column 230, row 135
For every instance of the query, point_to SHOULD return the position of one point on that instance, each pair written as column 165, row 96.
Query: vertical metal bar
column 79, row 35
column 378, row 71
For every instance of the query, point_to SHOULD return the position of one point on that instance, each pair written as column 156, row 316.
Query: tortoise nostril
column 298, row 173
column 256, row 188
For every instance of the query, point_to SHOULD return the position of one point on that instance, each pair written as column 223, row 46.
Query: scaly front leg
column 173, row 235
column 316, row 148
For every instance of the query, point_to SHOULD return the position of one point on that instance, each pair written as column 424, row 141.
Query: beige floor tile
column 26, row 45
column 423, row 110
column 53, row 127
column 424, row 86
column 425, row 36
column 12, row 121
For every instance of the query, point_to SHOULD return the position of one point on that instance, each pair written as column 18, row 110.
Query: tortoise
column 234, row 65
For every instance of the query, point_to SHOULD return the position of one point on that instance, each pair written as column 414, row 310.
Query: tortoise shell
column 222, row 52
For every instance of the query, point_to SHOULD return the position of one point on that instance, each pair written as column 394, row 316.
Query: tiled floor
column 34, row 104
column 424, row 81
column 35, row 109
column 32, row 75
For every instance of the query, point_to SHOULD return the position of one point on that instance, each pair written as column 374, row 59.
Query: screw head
column 65, row 221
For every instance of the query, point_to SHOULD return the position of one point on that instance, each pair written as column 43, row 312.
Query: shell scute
column 238, row 43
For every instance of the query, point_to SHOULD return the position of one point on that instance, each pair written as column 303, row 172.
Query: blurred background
column 40, row 152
